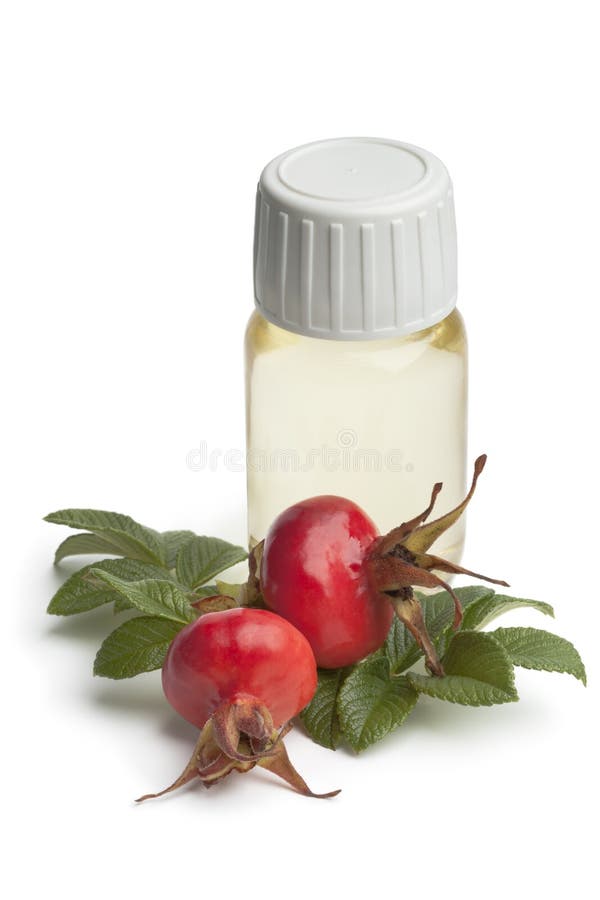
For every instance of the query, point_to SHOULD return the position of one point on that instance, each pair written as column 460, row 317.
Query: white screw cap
column 355, row 239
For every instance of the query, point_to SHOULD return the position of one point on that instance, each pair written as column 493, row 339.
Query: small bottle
column 356, row 358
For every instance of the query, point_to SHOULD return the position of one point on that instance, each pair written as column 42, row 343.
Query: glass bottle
column 356, row 358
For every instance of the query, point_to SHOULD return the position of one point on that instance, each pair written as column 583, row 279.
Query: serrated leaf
column 156, row 598
column 478, row 672
column 202, row 558
column 173, row 542
column 320, row 717
column 84, row 544
column 372, row 702
column 124, row 534
column 532, row 648
column 146, row 572
column 443, row 641
column 121, row 603
column 138, row 645
column 487, row 609
column 83, row 591
column 401, row 648
column 207, row 590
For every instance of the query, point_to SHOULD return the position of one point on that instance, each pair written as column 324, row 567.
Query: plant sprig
column 363, row 703
column 161, row 579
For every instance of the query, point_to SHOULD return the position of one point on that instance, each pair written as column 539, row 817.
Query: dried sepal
column 429, row 561
column 421, row 539
column 239, row 735
column 244, row 718
column 279, row 764
column 207, row 762
column 214, row 603
column 397, row 535
column 409, row 611
column 250, row 592
column 399, row 561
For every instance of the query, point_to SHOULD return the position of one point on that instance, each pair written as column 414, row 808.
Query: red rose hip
column 313, row 573
column 240, row 651
column 324, row 566
column 240, row 675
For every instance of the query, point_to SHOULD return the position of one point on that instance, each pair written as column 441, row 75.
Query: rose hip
column 240, row 675
column 324, row 567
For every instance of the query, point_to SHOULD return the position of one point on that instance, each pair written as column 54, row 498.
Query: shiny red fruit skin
column 313, row 574
column 239, row 652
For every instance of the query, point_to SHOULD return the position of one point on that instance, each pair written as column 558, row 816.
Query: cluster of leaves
column 361, row 704
column 157, row 580
column 160, row 578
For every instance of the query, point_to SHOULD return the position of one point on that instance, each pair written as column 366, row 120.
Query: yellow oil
column 376, row 421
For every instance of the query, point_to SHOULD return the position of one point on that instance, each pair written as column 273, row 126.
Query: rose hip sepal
column 324, row 566
column 240, row 675
column 399, row 560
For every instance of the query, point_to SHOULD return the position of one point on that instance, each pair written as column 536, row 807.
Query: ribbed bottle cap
column 355, row 239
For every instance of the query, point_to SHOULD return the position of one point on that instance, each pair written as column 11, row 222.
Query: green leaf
column 478, row 672
column 202, row 558
column 487, row 609
column 149, row 573
column 126, row 536
column 532, row 648
column 84, row 591
column 372, row 702
column 173, row 542
column 207, row 590
column 157, row 598
column 121, row 603
column 401, row 648
column 83, row 545
column 320, row 717
column 138, row 645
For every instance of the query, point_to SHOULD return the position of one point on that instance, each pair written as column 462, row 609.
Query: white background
column 133, row 134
